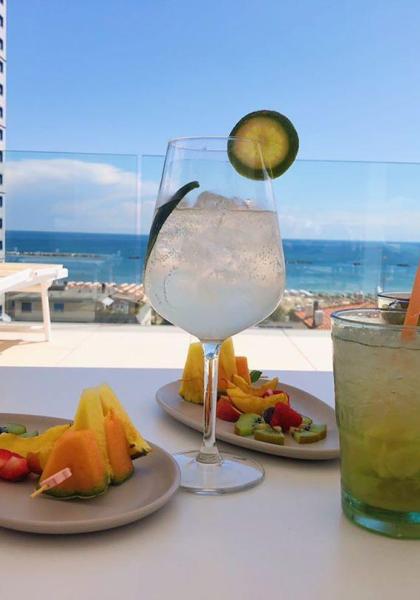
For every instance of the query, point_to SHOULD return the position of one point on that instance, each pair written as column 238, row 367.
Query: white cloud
column 73, row 195
column 66, row 194
column 394, row 222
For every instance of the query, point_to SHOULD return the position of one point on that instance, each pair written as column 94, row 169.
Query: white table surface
column 286, row 538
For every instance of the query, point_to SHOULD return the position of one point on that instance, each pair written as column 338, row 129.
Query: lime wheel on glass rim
column 278, row 140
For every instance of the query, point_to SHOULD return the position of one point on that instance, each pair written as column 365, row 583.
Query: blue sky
column 122, row 77
column 106, row 76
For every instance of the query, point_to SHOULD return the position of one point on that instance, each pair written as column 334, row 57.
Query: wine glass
column 214, row 267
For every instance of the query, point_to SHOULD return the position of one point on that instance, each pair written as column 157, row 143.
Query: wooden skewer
column 40, row 491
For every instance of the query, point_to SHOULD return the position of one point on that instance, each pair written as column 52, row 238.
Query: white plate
column 191, row 414
column 155, row 480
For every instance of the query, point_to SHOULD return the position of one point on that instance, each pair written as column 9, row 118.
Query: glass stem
column 209, row 453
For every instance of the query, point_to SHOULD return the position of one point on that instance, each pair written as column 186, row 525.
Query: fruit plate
column 191, row 415
column 155, row 480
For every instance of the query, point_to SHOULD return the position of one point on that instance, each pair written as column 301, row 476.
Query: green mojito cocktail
column 377, row 392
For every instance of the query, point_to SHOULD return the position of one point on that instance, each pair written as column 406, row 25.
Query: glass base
column 404, row 525
column 233, row 474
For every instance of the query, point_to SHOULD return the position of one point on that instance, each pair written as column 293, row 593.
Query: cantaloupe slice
column 118, row 449
column 242, row 368
column 138, row 445
column 227, row 364
column 79, row 451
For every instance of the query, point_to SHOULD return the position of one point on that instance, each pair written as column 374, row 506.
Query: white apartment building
column 2, row 131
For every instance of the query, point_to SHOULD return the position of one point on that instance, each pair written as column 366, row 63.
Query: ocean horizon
column 329, row 266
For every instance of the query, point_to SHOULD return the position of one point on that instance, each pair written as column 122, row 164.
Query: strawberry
column 15, row 469
column 33, row 463
column 226, row 411
column 4, row 457
column 285, row 416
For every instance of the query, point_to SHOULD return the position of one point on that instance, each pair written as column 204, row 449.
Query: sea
column 320, row 266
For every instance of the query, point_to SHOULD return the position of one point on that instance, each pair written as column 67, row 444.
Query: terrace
column 125, row 77
column 134, row 346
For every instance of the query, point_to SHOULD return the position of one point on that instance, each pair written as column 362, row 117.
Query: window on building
column 1, row 112
column 1, row 223
column 1, row 21
column 1, row 66
column 58, row 306
column 1, row 201
column 1, row 179
column 1, row 133
column 1, row 44
column 1, row 155
column 26, row 307
column 1, row 245
column 1, row 90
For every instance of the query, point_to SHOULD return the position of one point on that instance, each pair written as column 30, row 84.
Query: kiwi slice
column 247, row 423
column 15, row 428
column 164, row 211
column 269, row 435
column 30, row 434
column 316, row 433
column 278, row 140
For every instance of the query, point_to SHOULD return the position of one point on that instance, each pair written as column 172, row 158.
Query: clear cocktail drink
column 215, row 266
column 216, row 269
column 377, row 390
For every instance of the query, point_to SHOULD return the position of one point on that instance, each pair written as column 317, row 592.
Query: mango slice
column 248, row 403
column 254, row 390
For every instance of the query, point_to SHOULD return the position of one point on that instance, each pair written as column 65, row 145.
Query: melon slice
column 118, row 449
column 79, row 451
column 242, row 368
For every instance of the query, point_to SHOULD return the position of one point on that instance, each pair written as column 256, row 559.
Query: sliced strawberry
column 226, row 411
column 285, row 416
column 5, row 455
column 15, row 469
column 33, row 463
